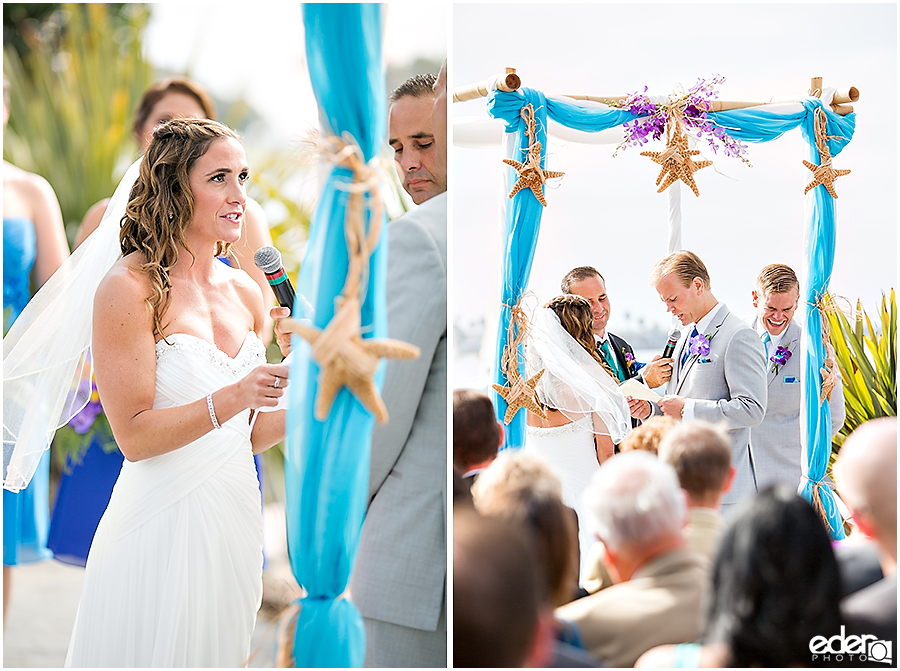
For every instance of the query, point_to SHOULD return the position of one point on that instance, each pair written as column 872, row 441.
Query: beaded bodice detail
column 251, row 354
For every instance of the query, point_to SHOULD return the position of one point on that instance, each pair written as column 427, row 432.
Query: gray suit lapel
column 791, row 340
column 722, row 316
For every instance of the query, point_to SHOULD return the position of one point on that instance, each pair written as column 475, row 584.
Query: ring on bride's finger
column 277, row 382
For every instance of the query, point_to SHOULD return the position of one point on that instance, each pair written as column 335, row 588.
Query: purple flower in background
column 84, row 420
column 699, row 345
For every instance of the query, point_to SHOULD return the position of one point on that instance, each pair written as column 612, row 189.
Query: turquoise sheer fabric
column 756, row 124
column 327, row 463
column 522, row 226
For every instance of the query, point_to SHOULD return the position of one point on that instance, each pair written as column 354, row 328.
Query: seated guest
column 701, row 456
column 775, row 586
column 859, row 563
column 522, row 487
column 637, row 510
column 477, row 435
column 647, row 435
column 499, row 614
column 866, row 476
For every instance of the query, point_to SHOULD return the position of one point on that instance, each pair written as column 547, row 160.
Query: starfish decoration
column 531, row 175
column 521, row 395
column 346, row 359
column 677, row 163
column 823, row 174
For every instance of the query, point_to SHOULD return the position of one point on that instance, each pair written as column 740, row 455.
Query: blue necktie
column 687, row 346
column 610, row 359
column 766, row 340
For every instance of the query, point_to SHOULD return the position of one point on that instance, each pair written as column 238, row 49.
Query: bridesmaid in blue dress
column 85, row 487
column 34, row 246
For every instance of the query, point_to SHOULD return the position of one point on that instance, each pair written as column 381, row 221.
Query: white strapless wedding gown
column 174, row 575
column 570, row 451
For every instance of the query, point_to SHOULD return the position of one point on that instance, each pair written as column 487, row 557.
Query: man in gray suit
column 399, row 581
column 775, row 444
column 720, row 373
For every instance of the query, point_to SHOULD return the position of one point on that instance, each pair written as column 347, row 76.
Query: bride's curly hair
column 161, row 206
column 576, row 317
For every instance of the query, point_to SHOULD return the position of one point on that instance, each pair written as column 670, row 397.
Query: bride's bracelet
column 212, row 412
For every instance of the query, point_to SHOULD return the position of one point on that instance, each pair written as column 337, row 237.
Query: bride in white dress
column 174, row 574
column 586, row 414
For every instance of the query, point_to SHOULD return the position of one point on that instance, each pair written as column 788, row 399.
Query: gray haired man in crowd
column 637, row 509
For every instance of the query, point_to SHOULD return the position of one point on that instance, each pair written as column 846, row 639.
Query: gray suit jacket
column 775, row 444
column 728, row 386
column 400, row 572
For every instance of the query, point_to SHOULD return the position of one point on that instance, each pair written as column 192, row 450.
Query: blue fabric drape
column 327, row 463
column 756, row 124
column 819, row 264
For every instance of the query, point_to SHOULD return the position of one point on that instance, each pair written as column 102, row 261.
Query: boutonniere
column 629, row 360
column 781, row 356
column 698, row 346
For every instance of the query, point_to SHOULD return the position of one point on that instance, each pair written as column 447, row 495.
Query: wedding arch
column 827, row 123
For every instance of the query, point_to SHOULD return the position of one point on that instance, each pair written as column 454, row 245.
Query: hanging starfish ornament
column 823, row 174
column 531, row 175
column 521, row 394
column 346, row 359
column 676, row 161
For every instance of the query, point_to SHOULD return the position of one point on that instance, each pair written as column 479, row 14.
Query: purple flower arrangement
column 694, row 105
column 699, row 345
column 84, row 420
column 781, row 356
column 90, row 425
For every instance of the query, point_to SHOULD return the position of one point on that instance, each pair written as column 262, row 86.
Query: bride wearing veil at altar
column 586, row 415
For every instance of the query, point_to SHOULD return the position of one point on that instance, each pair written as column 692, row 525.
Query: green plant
column 72, row 95
column 867, row 359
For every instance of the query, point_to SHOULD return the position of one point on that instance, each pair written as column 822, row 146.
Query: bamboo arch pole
column 510, row 81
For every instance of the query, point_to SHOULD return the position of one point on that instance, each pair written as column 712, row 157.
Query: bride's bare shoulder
column 123, row 284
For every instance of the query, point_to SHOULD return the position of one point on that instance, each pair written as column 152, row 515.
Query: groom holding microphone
column 720, row 371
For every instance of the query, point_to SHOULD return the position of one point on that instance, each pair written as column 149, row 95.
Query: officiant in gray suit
column 399, row 581
column 720, row 373
column 775, row 444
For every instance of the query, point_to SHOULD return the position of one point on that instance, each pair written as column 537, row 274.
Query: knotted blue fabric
column 326, row 467
column 756, row 124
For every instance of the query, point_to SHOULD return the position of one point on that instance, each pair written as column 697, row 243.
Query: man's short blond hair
column 683, row 264
column 777, row 278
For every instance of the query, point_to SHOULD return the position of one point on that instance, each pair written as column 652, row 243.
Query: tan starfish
column 521, row 395
column 677, row 163
column 824, row 174
column 346, row 359
column 531, row 175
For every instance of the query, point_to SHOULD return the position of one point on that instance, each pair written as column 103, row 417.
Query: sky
column 257, row 50
column 606, row 213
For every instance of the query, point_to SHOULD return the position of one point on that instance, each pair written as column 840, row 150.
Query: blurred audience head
column 637, row 509
column 173, row 98
column 866, row 476
column 412, row 137
column 700, row 453
column 500, row 618
column 647, row 436
column 775, row 582
column 522, row 487
column 477, row 434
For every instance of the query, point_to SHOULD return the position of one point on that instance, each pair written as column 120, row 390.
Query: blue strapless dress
column 26, row 514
